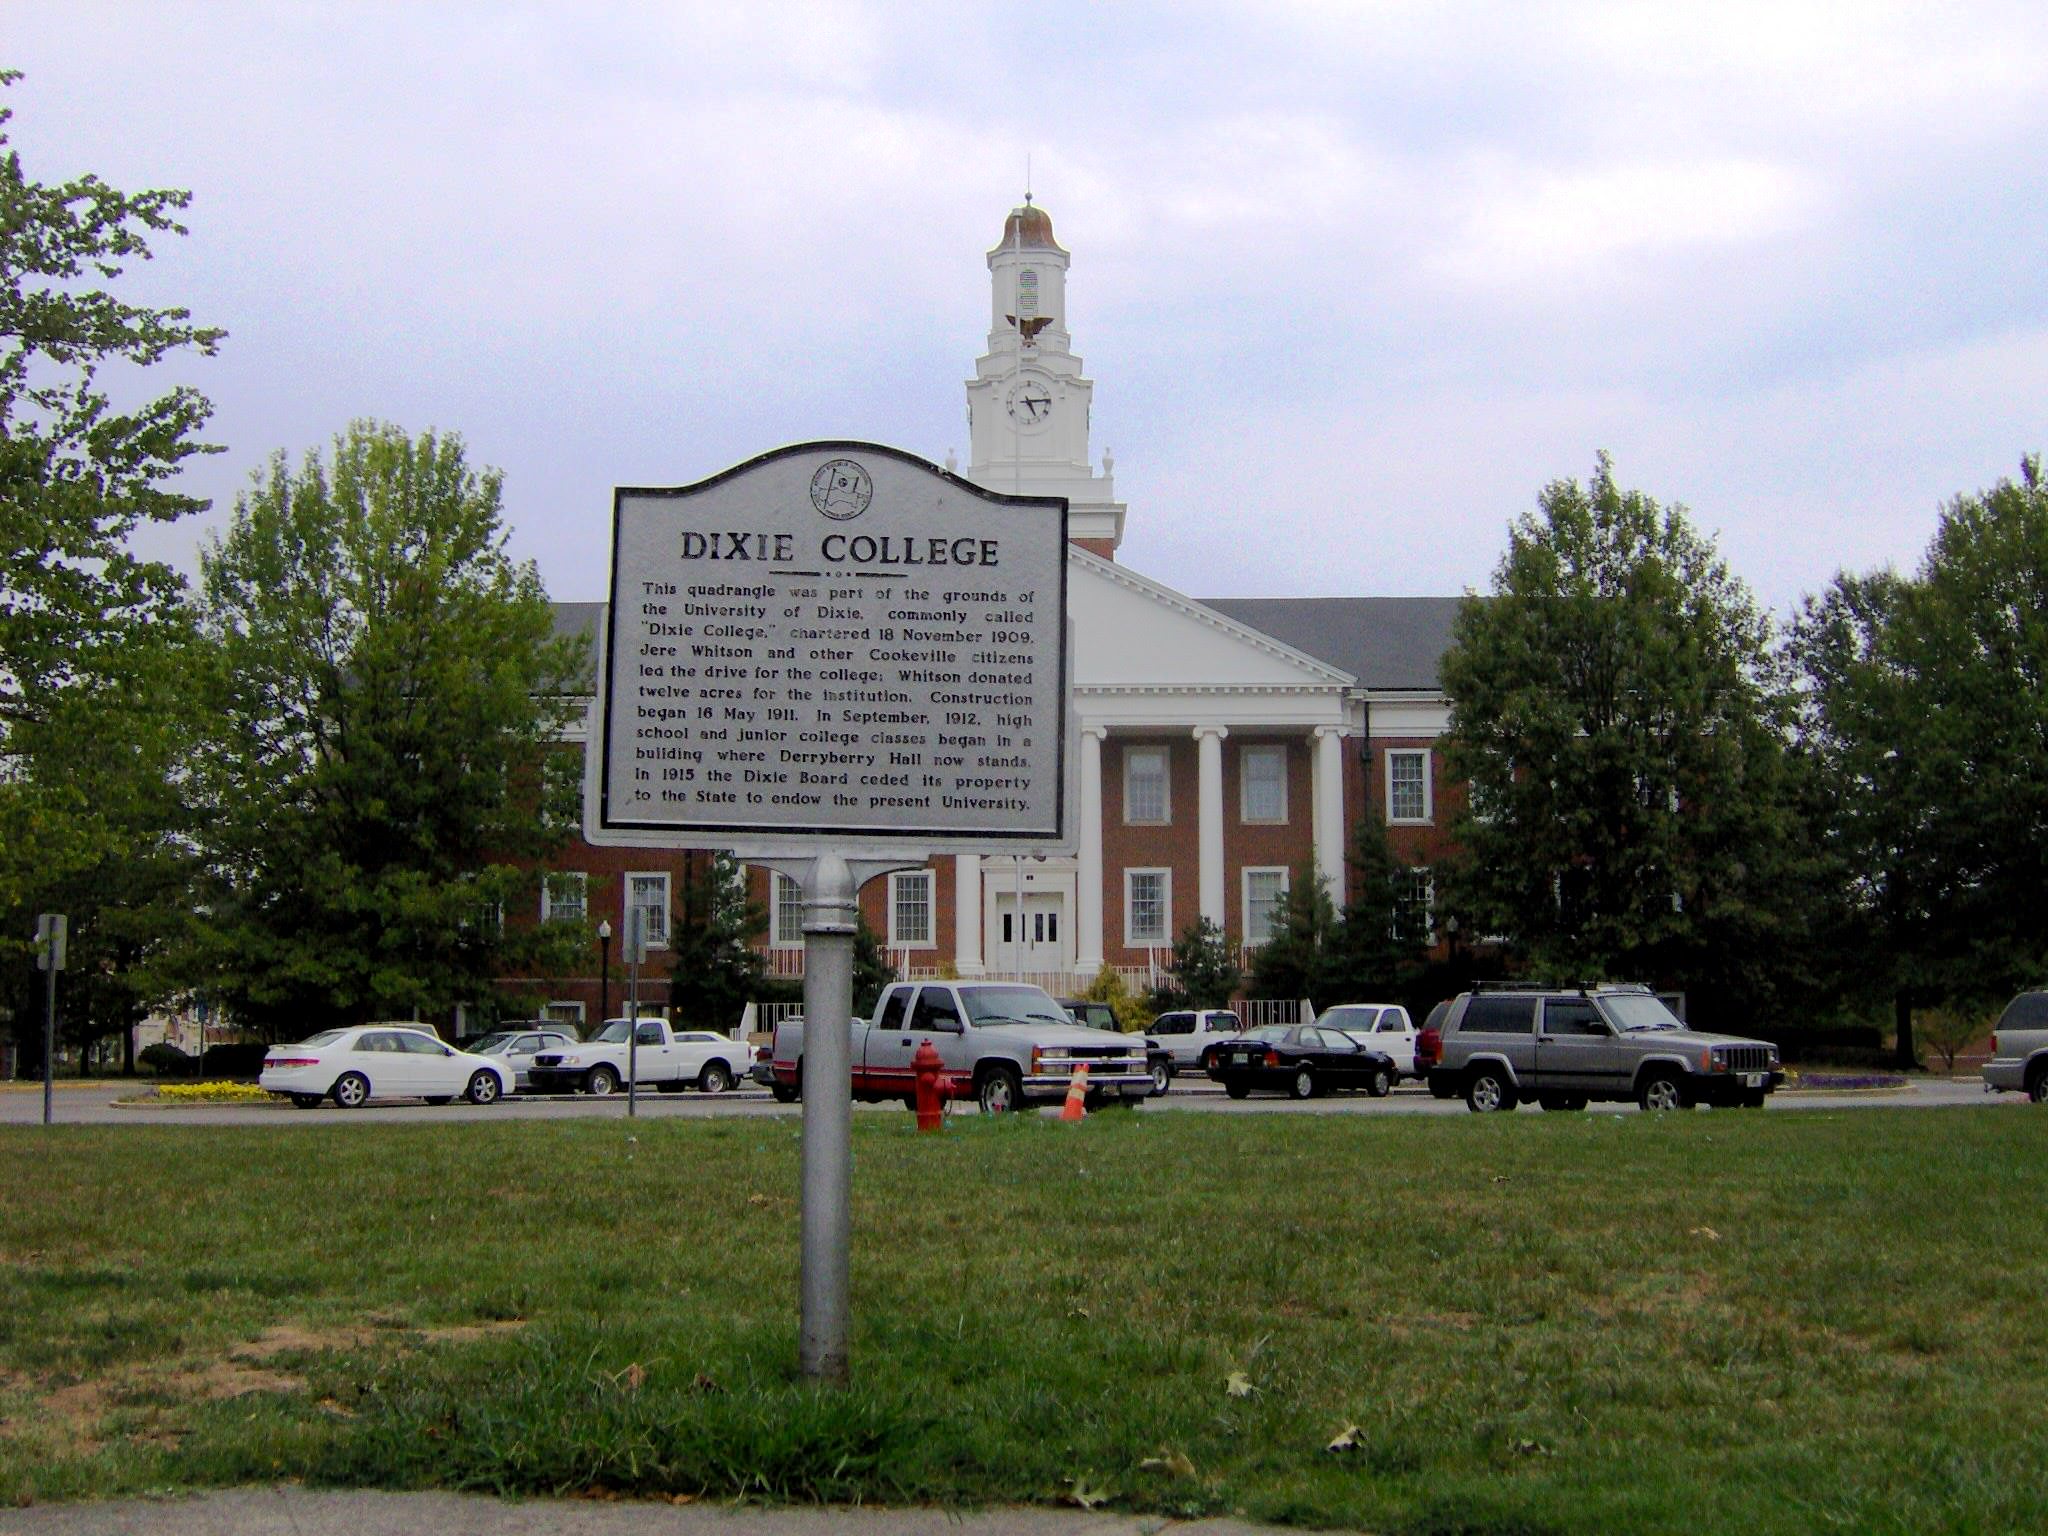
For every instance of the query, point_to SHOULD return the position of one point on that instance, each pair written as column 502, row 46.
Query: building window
column 1408, row 797
column 565, row 1013
column 648, row 894
column 565, row 897
column 910, row 910
column 1262, row 784
column 1148, row 907
column 785, row 911
column 1146, row 798
column 1263, row 890
column 1416, row 910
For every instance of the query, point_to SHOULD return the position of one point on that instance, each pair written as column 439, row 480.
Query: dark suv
column 1566, row 1047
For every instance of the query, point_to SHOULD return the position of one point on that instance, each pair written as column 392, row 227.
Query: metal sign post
column 50, row 933
column 835, row 660
column 636, row 951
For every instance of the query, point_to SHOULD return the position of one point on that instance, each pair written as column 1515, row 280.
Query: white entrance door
column 1040, row 942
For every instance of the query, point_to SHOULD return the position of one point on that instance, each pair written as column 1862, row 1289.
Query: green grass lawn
column 1538, row 1323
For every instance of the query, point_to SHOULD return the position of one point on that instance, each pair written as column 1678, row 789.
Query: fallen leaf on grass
column 682, row 1498
column 1080, row 1493
column 1532, row 1448
column 329, row 1405
column 1172, row 1463
column 632, row 1378
column 1347, row 1441
column 1707, row 1232
column 706, row 1386
column 1237, row 1384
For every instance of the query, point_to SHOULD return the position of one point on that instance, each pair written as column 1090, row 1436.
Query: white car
column 381, row 1061
column 1188, row 1035
column 1381, row 1026
column 516, row 1048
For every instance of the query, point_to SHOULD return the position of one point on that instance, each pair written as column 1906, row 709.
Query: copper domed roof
column 1029, row 228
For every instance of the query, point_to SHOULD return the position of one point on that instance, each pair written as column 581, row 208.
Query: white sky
column 1353, row 280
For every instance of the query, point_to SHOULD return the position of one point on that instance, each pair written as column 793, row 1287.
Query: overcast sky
column 1353, row 280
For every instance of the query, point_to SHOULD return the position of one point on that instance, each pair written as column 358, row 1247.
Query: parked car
column 1302, row 1060
column 380, row 1061
column 1099, row 1015
column 2019, row 1049
column 1379, row 1026
column 655, row 1055
column 1191, row 1035
column 1566, row 1046
column 517, row 1048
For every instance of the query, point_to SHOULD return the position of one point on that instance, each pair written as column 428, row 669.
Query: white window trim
column 779, row 900
column 931, row 908
column 1244, row 783
column 1131, row 939
column 1165, row 755
column 1424, row 876
column 566, row 1002
column 1428, row 816
column 546, row 903
column 667, row 903
column 1245, row 895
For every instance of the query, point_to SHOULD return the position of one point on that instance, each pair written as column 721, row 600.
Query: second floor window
column 564, row 897
column 910, row 909
column 1408, row 786
column 786, row 921
column 1262, row 788
column 648, row 894
column 1145, row 790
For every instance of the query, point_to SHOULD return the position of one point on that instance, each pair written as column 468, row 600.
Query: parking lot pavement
column 290, row 1511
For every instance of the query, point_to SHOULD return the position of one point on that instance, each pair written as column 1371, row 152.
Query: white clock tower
column 1027, row 404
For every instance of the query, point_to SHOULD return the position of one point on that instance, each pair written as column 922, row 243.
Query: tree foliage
column 1926, row 721
column 379, row 784
column 716, row 970
column 1376, row 949
column 1617, row 713
column 1205, row 974
column 1290, row 963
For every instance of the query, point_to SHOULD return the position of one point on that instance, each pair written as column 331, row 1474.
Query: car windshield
column 614, row 1033
column 489, row 1045
column 325, row 1037
column 1350, row 1018
column 1011, row 1005
column 1633, row 1011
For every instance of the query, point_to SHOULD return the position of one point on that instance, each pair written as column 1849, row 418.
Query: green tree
column 717, row 970
column 871, row 969
column 1290, row 963
column 89, row 632
column 1377, row 947
column 1205, row 974
column 378, row 786
column 1925, row 720
column 1618, row 714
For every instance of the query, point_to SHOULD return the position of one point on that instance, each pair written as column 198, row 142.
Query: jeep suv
column 1565, row 1047
column 2019, row 1049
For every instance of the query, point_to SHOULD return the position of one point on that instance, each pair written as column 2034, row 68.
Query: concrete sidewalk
column 291, row 1511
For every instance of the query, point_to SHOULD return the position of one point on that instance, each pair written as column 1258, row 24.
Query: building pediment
column 1133, row 633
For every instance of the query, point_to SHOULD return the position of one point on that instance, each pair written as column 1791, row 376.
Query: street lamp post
column 604, row 964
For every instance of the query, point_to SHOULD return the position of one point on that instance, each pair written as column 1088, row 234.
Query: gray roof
column 1384, row 642
column 584, row 619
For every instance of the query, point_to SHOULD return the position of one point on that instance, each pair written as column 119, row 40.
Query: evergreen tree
column 1205, row 974
column 1290, row 963
column 717, row 970
column 1376, row 950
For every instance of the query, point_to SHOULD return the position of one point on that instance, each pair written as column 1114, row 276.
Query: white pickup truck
column 1007, row 1043
column 668, row 1059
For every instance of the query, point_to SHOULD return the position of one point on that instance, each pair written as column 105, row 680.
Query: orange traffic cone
column 1077, row 1095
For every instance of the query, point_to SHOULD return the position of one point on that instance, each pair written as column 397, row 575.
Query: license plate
column 1754, row 1080
column 1244, row 1058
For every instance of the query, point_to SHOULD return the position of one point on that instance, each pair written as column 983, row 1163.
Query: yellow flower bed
column 211, row 1093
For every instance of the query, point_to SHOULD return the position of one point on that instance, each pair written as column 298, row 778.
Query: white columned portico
column 967, row 914
column 1088, row 875
column 1209, row 820
column 1326, row 796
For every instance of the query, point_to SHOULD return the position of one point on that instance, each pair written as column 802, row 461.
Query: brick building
column 1225, row 744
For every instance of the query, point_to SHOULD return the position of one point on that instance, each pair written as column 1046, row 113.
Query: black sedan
column 1302, row 1061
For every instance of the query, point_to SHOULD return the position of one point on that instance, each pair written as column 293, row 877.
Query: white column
column 1209, row 820
column 1326, row 792
column 967, row 919
column 1088, row 876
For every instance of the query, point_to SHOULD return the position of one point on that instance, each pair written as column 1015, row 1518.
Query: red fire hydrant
column 934, row 1087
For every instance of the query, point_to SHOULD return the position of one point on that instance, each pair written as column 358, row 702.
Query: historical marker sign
column 835, row 638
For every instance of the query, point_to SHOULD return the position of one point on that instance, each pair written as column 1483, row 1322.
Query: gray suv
column 1564, row 1048
column 2019, row 1049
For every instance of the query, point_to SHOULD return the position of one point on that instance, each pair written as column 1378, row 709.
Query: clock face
column 1029, row 403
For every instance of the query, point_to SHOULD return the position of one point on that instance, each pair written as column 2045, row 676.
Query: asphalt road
column 96, row 1104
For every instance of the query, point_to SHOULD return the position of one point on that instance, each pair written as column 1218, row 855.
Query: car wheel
column 1661, row 1091
column 601, row 1083
column 715, row 1078
column 1379, row 1083
column 2037, row 1086
column 351, row 1090
column 1304, row 1084
column 484, row 1088
column 1162, row 1078
column 1562, row 1101
column 999, row 1091
column 305, row 1101
column 1488, row 1092
column 785, row 1093
column 1237, row 1088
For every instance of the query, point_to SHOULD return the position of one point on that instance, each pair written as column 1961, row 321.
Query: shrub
column 1949, row 1030
column 236, row 1060
column 1133, row 1015
column 211, row 1093
column 166, row 1060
